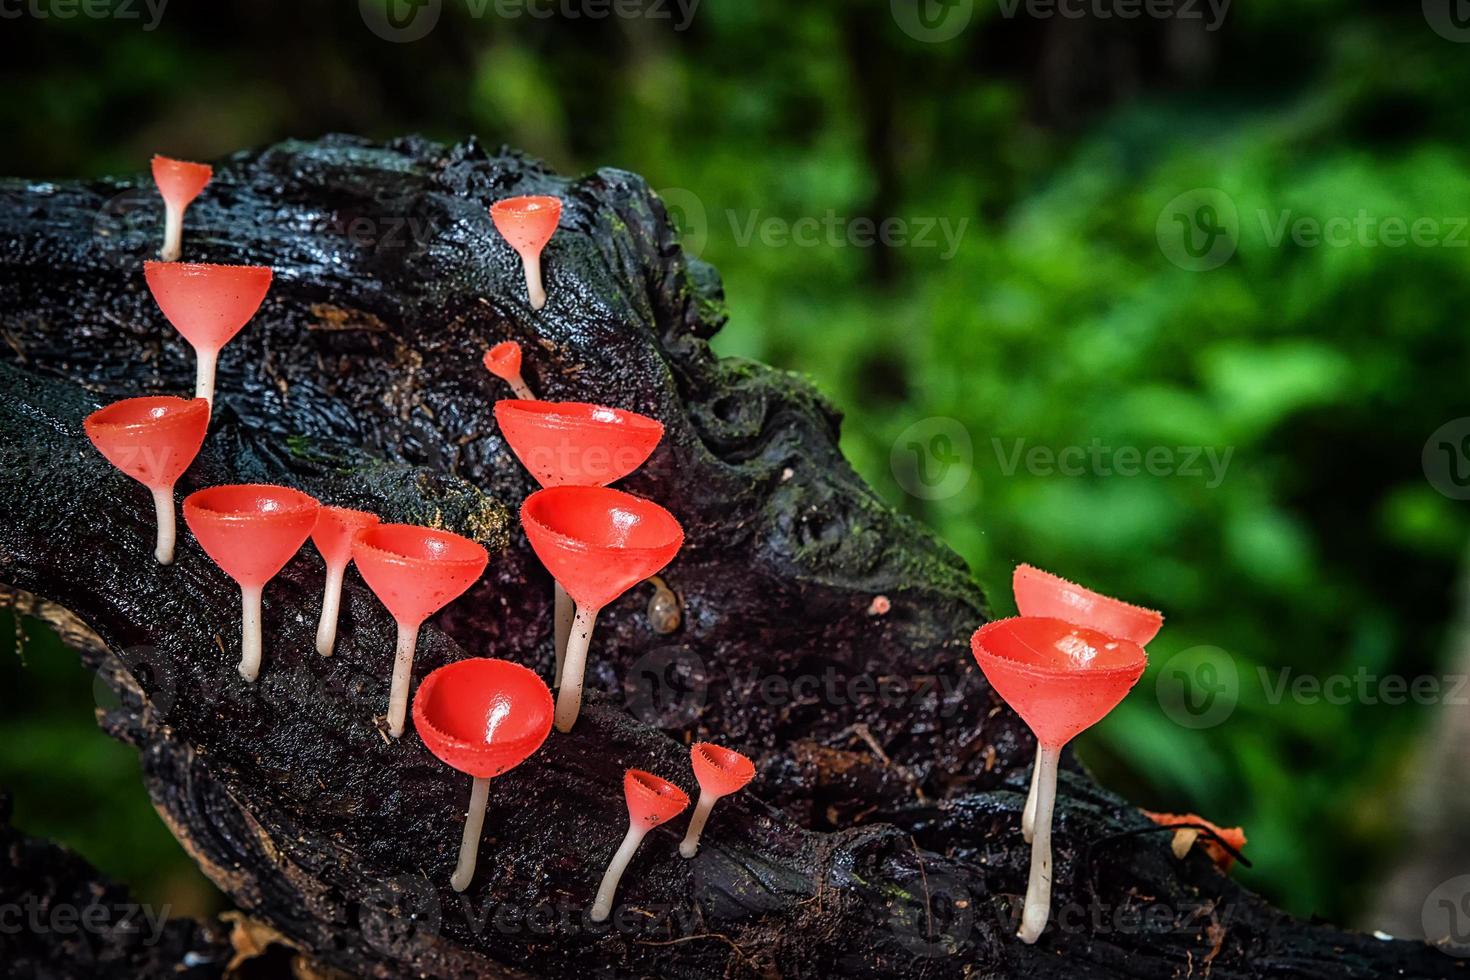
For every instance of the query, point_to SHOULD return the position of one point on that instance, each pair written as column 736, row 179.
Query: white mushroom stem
column 603, row 904
column 173, row 233
column 163, row 506
column 565, row 612
column 689, row 846
column 205, row 361
column 250, row 632
column 1037, row 909
column 408, row 638
column 1028, row 816
column 569, row 698
column 469, row 845
column 326, row 627
column 521, row 389
column 534, row 290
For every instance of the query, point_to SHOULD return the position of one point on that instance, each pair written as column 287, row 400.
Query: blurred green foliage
column 1060, row 313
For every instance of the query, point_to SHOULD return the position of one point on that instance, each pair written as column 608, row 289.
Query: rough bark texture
column 880, row 838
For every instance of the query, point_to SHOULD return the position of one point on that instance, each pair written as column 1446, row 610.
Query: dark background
column 1099, row 246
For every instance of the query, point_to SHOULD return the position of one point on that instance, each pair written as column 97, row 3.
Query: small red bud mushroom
column 179, row 182
column 1233, row 838
column 208, row 304
column 528, row 223
column 336, row 528
column 251, row 531
column 482, row 717
column 651, row 801
column 1061, row 679
column 152, row 440
column 415, row 572
column 504, row 361
column 720, row 772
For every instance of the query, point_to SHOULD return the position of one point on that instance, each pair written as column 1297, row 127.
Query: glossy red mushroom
column 153, row 440
column 415, row 572
column 336, row 528
column 574, row 443
column 1040, row 593
column 720, row 772
column 597, row 543
column 1061, row 679
column 651, row 801
column 208, row 304
column 179, row 181
column 504, row 361
column 482, row 717
column 251, row 531
column 528, row 223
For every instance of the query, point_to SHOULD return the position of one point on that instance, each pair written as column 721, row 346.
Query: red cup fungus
column 336, row 529
column 179, row 182
column 504, row 361
column 651, row 801
column 720, row 772
column 528, row 223
column 208, row 304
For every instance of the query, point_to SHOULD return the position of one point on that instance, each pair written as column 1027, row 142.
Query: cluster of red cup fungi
column 1066, row 661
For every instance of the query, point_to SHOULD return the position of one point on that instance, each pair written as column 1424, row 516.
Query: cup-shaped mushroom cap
column 599, row 543
column 575, row 442
column 504, row 360
column 151, row 439
column 416, row 571
column 1060, row 678
column 652, row 801
column 527, row 222
column 336, row 527
column 1040, row 593
column 180, row 181
column 483, row 716
column 720, row 771
column 250, row 529
column 206, row 303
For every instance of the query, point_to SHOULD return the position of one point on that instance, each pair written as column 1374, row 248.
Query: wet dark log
column 880, row 837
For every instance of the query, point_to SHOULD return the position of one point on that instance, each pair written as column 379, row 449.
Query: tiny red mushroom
column 336, row 529
column 504, row 361
column 179, row 181
column 208, row 305
column 720, row 772
column 482, row 717
column 651, row 801
column 528, row 224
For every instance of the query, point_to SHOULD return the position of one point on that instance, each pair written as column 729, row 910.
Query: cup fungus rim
column 737, row 767
column 300, row 502
column 1135, row 664
column 1143, row 614
column 578, row 545
column 396, row 557
column 571, row 414
column 179, row 409
column 430, row 684
column 522, row 204
column 655, row 792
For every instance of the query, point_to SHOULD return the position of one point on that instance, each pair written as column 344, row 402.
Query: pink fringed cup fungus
column 153, row 440
column 1061, row 679
column 651, row 801
column 598, row 543
column 415, row 572
column 1040, row 593
column 482, row 717
column 504, row 361
column 562, row 443
column 179, row 182
column 528, row 223
column 208, row 304
column 720, row 772
column 336, row 528
column 251, row 530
